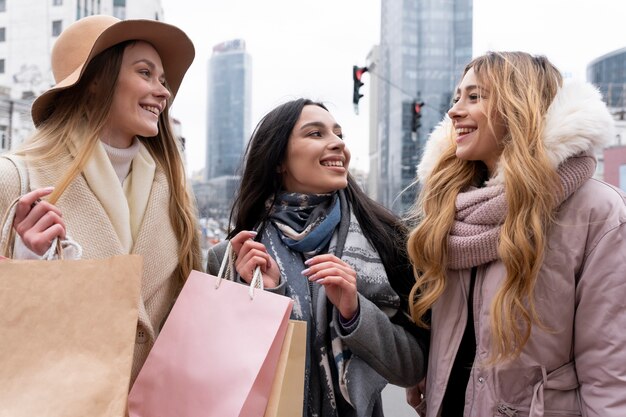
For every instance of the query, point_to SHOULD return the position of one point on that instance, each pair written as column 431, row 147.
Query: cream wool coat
column 88, row 224
column 579, row 367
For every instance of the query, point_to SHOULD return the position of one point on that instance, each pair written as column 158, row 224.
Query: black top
column 454, row 398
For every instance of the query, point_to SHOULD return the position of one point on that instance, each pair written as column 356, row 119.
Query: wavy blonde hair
column 79, row 117
column 522, row 88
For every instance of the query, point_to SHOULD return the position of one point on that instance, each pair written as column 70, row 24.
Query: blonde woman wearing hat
column 106, row 162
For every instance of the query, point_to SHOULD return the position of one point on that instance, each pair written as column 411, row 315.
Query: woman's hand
column 338, row 278
column 38, row 222
column 415, row 397
column 249, row 255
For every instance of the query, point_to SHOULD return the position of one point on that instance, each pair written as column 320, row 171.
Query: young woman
column 104, row 142
column 520, row 253
column 317, row 238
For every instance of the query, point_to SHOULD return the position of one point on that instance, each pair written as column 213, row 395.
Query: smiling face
column 140, row 96
column 317, row 159
column 477, row 139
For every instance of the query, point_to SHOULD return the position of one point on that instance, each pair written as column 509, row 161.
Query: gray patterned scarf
column 327, row 391
column 306, row 221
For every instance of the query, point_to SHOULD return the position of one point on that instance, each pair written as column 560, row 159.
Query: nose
column 457, row 110
column 162, row 91
column 336, row 143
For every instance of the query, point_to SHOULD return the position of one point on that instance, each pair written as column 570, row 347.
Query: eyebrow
column 469, row 87
column 318, row 124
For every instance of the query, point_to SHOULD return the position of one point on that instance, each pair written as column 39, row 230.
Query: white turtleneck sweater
column 122, row 159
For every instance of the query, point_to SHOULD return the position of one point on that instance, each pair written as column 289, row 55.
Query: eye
column 145, row 72
column 315, row 133
column 339, row 135
column 455, row 100
column 474, row 96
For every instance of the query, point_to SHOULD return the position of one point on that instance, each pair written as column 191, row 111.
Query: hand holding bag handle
column 7, row 231
column 228, row 261
column 8, row 235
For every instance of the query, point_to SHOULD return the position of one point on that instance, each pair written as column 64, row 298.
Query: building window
column 119, row 3
column 57, row 2
column 3, row 5
column 3, row 34
column 1, row 66
column 57, row 27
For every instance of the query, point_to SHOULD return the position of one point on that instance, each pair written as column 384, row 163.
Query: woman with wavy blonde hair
column 104, row 166
column 519, row 253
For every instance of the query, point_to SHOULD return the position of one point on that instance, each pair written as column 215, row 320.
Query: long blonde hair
column 522, row 88
column 79, row 117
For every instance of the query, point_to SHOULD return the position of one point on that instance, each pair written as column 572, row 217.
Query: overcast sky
column 307, row 48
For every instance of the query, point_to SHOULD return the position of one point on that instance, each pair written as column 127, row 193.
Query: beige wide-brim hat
column 81, row 41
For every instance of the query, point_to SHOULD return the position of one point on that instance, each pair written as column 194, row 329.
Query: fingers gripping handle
column 227, row 262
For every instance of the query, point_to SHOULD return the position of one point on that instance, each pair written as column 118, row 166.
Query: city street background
column 302, row 48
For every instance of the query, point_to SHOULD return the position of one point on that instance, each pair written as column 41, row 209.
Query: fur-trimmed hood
column 577, row 121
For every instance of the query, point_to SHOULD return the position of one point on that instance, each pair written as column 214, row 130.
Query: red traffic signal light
column 357, row 73
column 416, row 113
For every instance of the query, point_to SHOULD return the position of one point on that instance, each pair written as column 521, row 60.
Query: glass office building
column 229, row 108
column 608, row 73
column 425, row 45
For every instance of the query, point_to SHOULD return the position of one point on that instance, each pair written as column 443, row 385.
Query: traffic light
column 357, row 73
column 416, row 115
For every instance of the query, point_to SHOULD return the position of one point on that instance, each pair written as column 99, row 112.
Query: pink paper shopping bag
column 216, row 355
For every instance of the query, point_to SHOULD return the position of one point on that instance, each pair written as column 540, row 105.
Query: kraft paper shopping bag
column 287, row 396
column 67, row 334
column 217, row 353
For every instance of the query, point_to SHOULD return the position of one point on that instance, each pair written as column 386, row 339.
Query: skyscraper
column 229, row 108
column 424, row 46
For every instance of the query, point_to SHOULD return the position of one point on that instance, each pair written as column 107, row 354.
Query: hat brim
column 173, row 45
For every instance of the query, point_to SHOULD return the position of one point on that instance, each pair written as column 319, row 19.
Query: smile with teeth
column 151, row 109
column 464, row 130
column 332, row 163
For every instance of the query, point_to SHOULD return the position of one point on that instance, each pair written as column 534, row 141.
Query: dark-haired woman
column 319, row 239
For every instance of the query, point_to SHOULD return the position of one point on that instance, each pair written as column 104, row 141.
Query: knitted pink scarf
column 480, row 213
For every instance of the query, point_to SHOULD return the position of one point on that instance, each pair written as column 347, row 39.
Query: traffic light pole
column 357, row 74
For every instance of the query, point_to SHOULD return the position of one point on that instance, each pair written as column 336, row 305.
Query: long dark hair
column 261, row 180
